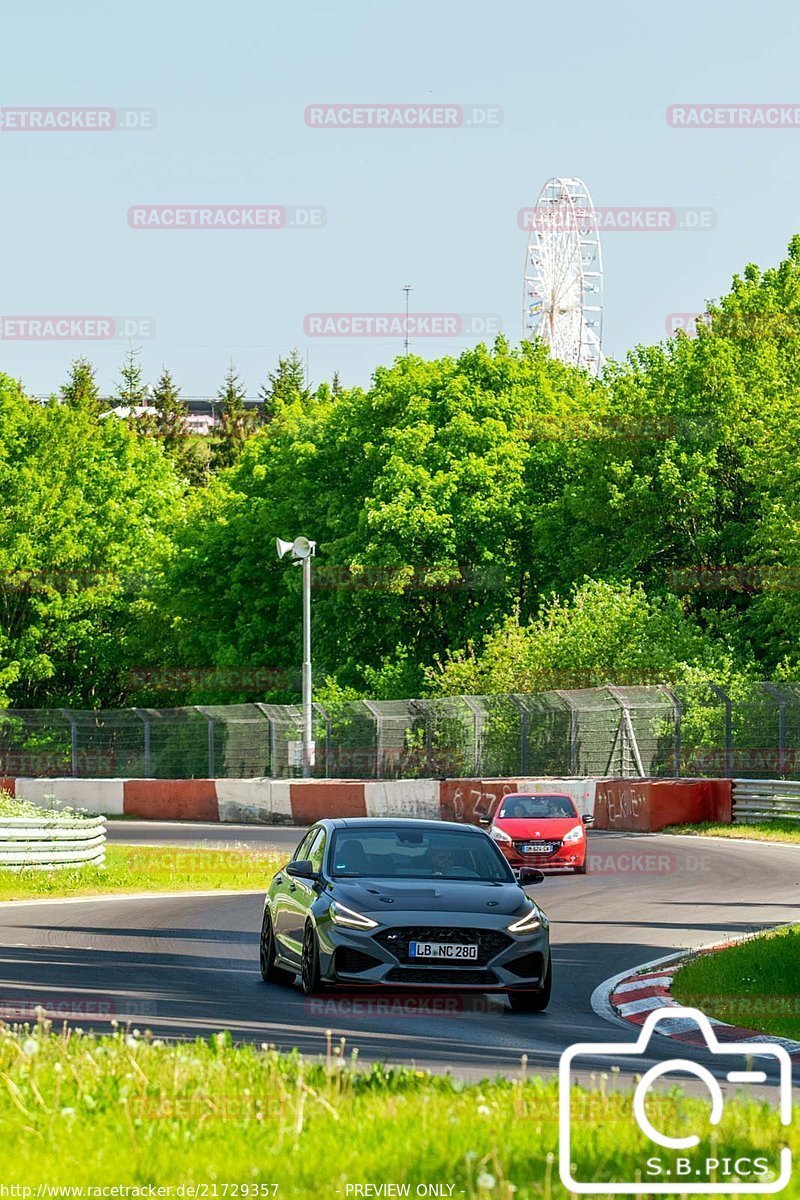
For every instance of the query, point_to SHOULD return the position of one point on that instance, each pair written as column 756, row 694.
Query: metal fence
column 656, row 731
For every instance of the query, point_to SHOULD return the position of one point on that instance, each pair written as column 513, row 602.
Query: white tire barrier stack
column 51, row 843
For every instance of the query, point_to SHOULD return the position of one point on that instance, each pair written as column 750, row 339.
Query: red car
column 545, row 831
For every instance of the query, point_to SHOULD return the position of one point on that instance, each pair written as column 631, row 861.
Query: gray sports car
column 405, row 904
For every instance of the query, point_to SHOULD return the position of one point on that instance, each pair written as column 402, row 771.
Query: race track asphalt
column 185, row 965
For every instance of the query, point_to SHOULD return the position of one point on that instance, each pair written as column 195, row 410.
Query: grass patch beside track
column 764, row 831
column 148, row 869
column 246, row 1121
column 755, row 984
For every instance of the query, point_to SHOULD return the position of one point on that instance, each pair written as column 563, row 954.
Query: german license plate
column 537, row 848
column 457, row 950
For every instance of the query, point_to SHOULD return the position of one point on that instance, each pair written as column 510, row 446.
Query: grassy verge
column 755, row 984
column 148, row 869
column 764, row 831
column 246, row 1121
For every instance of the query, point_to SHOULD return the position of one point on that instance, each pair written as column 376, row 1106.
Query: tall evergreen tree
column 131, row 389
column 169, row 411
column 80, row 389
column 236, row 423
column 285, row 386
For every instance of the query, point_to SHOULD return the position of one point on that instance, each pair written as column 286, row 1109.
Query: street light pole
column 308, row 754
column 302, row 551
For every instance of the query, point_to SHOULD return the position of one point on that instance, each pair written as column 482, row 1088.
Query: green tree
column 80, row 389
column 602, row 633
column 86, row 510
column 286, row 386
column 236, row 422
column 131, row 389
column 169, row 412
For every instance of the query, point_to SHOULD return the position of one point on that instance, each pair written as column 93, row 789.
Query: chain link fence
column 622, row 731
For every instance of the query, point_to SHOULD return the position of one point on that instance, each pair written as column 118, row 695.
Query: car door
column 300, row 895
column 282, row 892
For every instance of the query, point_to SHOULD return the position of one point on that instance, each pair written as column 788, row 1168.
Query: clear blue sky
column 584, row 90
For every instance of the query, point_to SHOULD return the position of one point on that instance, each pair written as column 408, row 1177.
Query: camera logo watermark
column 226, row 216
column 734, row 116
column 75, row 329
column 77, row 120
column 618, row 219
column 723, row 1169
column 403, row 116
column 398, row 325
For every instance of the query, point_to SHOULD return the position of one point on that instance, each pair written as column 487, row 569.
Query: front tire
column 270, row 971
column 534, row 1001
column 310, row 976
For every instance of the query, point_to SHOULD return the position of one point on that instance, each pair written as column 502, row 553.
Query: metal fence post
column 523, row 732
column 477, row 726
column 725, row 698
column 780, row 699
column 145, row 719
column 212, row 764
column 320, row 708
column 574, row 733
column 677, row 716
column 73, row 728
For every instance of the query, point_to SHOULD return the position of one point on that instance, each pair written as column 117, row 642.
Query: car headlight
column 499, row 835
column 527, row 924
column 347, row 916
column 574, row 835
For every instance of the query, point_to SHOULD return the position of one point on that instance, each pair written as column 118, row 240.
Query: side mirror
column 587, row 819
column 302, row 868
column 530, row 875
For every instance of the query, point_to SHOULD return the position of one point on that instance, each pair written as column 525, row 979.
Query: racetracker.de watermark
column 69, row 1007
column 397, row 325
column 734, row 116
column 403, row 116
column 386, row 1005
column 617, row 219
column 766, row 325
column 75, row 328
column 77, row 120
column 226, row 216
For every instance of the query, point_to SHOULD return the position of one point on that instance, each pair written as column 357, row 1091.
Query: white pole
column 307, row 732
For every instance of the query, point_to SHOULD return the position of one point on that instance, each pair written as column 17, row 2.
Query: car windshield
column 417, row 853
column 522, row 808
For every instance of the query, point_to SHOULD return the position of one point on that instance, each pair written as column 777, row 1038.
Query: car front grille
column 442, row 975
column 490, row 942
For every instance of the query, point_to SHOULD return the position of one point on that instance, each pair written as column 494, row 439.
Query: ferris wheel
column 563, row 283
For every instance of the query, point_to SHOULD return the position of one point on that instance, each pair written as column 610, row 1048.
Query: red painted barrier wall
column 7, row 785
column 172, row 799
column 647, row 805
column 468, row 800
column 326, row 798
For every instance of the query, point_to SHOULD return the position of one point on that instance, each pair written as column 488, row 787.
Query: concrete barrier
column 633, row 804
column 647, row 805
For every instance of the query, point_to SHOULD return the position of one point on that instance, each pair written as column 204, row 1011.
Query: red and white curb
column 630, row 997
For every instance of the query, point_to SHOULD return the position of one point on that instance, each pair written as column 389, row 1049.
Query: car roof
column 514, row 795
column 394, row 822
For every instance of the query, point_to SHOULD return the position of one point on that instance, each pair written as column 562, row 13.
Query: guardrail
column 766, row 800
column 50, row 843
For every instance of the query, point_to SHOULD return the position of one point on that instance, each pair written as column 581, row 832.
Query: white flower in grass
column 131, row 1042
column 57, row 1068
column 30, row 1046
column 484, row 1110
column 67, row 1112
column 486, row 1181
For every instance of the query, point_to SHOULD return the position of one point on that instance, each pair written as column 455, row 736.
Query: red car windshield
column 523, row 808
